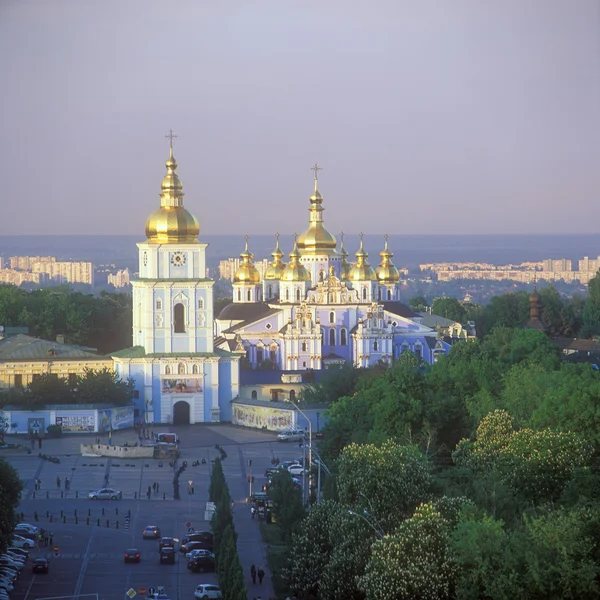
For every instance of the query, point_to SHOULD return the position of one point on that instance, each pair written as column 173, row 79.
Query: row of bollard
column 62, row 494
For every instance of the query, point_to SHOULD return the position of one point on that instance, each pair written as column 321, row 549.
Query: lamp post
column 378, row 531
column 306, row 491
column 322, row 465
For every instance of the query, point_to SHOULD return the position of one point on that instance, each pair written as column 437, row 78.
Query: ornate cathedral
column 319, row 309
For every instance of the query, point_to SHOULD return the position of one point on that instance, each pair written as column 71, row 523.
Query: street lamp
column 324, row 466
column 379, row 532
column 306, row 491
column 367, row 513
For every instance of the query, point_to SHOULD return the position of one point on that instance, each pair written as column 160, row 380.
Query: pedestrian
column 157, row 487
column 252, row 512
column 51, row 539
column 46, row 539
column 154, row 485
column 149, row 492
column 253, row 573
column 57, row 481
column 67, row 484
column 260, row 574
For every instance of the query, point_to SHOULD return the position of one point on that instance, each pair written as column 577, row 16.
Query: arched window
column 303, row 346
column 273, row 355
column 287, row 295
column 167, row 370
column 239, row 295
column 195, row 369
column 249, row 295
column 298, row 295
column 292, row 395
column 259, row 355
column 270, row 291
column 364, row 293
column 330, row 298
column 201, row 303
column 389, row 294
column 332, row 317
column 322, row 336
column 332, row 337
column 321, row 275
column 158, row 304
column 181, row 369
column 254, row 395
column 418, row 352
column 179, row 318
column 343, row 338
column 379, row 294
column 375, row 346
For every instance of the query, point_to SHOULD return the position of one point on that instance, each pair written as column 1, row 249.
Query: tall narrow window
column 298, row 295
column 167, row 370
column 19, row 380
column 332, row 317
column 270, row 291
column 343, row 338
column 249, row 295
column 259, row 355
column 364, row 293
column 322, row 336
column 273, row 355
column 239, row 295
column 287, row 295
column 389, row 295
column 195, row 369
column 303, row 346
column 158, row 304
column 379, row 294
column 332, row 337
column 375, row 346
column 179, row 318
column 254, row 395
column 200, row 303
column 321, row 275
column 181, row 369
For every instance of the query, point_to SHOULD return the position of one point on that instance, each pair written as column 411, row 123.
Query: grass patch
column 277, row 552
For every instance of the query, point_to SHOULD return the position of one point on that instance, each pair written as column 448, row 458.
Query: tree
column 418, row 303
column 591, row 310
column 104, row 386
column 287, row 503
column 506, row 310
column 10, row 496
column 449, row 308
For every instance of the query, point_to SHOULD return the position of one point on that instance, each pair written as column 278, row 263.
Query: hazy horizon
column 429, row 118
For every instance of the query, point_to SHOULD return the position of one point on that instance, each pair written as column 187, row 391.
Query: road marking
column 84, row 564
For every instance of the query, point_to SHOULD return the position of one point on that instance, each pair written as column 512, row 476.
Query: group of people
column 58, row 482
column 45, row 537
column 254, row 573
column 154, row 487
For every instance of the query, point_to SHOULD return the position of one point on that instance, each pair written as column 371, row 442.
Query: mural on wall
column 76, row 422
column 115, row 418
column 181, row 386
column 273, row 419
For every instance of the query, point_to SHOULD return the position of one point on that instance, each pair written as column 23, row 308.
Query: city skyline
column 428, row 119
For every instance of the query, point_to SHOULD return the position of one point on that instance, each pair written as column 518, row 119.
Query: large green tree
column 10, row 496
column 449, row 308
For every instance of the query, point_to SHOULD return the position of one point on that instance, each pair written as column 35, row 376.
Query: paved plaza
column 92, row 535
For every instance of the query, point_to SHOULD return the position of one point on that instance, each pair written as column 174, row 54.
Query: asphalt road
column 92, row 535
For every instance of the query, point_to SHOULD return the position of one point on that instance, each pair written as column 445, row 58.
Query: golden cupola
column 276, row 268
column 172, row 223
column 387, row 271
column 247, row 272
column 362, row 270
column 316, row 239
column 295, row 270
column 346, row 266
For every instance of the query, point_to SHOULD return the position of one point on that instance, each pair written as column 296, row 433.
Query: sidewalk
column 250, row 546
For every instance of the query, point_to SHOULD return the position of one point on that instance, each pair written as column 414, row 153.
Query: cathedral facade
column 180, row 377
column 318, row 309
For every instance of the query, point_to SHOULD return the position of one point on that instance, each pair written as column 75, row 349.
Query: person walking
column 51, row 539
column 253, row 573
column 57, row 481
column 260, row 574
column 67, row 483
column 149, row 492
column 157, row 487
column 252, row 512
column 154, row 486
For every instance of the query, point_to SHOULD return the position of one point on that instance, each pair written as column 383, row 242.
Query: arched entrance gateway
column 181, row 413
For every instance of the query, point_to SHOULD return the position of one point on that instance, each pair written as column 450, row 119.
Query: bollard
column 103, row 511
column 47, row 495
column 65, row 519
column 76, row 520
column 164, row 495
column 62, row 494
column 47, row 514
column 117, row 524
column 107, row 523
column 88, row 520
column 35, row 515
column 89, row 512
column 75, row 512
column 135, row 495
column 62, row 512
column 117, row 510
column 129, row 513
column 98, row 522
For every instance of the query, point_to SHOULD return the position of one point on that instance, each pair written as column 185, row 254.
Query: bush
column 54, row 430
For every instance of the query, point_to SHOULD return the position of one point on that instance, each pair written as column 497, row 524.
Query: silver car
column 291, row 435
column 105, row 494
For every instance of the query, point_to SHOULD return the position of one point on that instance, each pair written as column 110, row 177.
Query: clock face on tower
column 178, row 259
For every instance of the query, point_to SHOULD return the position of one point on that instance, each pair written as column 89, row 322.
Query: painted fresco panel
column 115, row 418
column 76, row 420
column 273, row 419
column 181, row 386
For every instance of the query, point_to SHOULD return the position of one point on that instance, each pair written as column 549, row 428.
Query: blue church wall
column 37, row 420
column 225, row 380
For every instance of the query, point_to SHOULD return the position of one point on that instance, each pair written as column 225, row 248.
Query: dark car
column 26, row 534
column 132, row 555
column 198, row 536
column 202, row 564
column 195, row 545
column 151, row 532
column 167, row 555
column 166, row 542
column 40, row 565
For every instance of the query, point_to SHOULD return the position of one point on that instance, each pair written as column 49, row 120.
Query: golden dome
column 316, row 239
column 246, row 272
column 295, row 271
column 386, row 271
column 172, row 223
column 276, row 268
column 346, row 267
column 362, row 270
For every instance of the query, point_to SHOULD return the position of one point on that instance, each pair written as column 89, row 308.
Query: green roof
column 139, row 352
column 26, row 347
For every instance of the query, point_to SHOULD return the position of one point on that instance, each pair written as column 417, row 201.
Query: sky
column 427, row 117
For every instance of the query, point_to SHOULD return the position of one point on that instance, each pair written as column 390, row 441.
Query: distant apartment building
column 66, row 272
column 15, row 277
column 228, row 267
column 24, row 262
column 557, row 265
column 120, row 279
column 589, row 264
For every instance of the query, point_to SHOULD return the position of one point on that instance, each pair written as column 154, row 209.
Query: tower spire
column 171, row 136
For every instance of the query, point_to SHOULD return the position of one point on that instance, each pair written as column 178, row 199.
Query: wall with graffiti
column 262, row 417
column 115, row 418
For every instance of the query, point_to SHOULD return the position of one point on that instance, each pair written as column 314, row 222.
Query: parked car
column 19, row 541
column 151, row 532
column 131, row 555
column 32, row 537
column 202, row 564
column 199, row 552
column 196, row 545
column 105, row 494
column 198, row 536
column 296, row 470
column 40, row 565
column 28, row 527
column 291, row 435
column 166, row 542
column 6, row 585
column 167, row 555
column 18, row 552
column 208, row 591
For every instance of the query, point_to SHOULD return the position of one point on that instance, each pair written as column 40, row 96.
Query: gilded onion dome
column 246, row 272
column 316, row 239
column 346, row 267
column 295, row 270
column 387, row 271
column 362, row 270
column 276, row 268
column 172, row 223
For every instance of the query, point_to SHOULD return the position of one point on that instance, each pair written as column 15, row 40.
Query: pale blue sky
column 428, row 116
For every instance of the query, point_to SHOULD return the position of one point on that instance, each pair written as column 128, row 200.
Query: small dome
column 387, row 271
column 362, row 270
column 346, row 267
column 316, row 238
column 247, row 272
column 276, row 268
column 295, row 271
